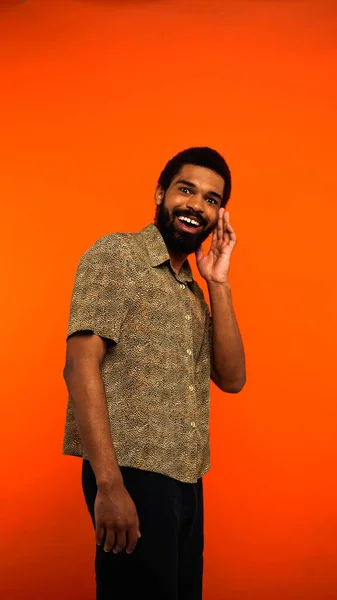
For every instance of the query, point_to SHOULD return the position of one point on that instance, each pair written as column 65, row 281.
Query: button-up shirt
column 156, row 373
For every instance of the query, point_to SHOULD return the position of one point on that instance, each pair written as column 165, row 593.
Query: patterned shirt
column 157, row 372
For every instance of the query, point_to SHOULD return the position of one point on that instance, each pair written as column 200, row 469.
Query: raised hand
column 214, row 266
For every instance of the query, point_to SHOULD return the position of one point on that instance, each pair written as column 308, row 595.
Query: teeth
column 189, row 221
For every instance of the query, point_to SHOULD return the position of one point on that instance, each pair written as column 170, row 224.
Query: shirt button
column 191, row 388
column 182, row 285
column 193, row 424
column 189, row 352
column 187, row 317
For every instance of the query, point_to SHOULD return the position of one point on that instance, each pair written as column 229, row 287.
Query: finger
column 220, row 228
column 232, row 235
column 214, row 239
column 226, row 238
column 231, row 239
column 133, row 537
column 99, row 535
column 120, row 541
column 109, row 540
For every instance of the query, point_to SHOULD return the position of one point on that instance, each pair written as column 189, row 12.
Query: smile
column 189, row 224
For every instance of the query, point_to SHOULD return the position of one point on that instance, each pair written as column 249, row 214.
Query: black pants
column 167, row 563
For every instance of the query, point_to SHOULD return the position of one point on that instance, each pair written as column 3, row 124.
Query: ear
column 159, row 195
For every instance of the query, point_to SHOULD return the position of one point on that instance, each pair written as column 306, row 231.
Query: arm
column 116, row 519
column 85, row 386
column 228, row 359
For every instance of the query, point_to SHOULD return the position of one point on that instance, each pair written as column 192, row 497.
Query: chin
column 186, row 248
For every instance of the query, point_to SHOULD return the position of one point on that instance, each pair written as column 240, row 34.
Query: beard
column 176, row 240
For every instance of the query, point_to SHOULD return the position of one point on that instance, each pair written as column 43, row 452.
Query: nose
column 195, row 203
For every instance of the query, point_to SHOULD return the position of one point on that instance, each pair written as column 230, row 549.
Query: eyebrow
column 192, row 185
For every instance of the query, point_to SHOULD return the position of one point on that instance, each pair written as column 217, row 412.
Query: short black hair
column 202, row 157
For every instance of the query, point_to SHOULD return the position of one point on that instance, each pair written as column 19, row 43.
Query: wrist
column 111, row 482
column 219, row 285
column 106, row 487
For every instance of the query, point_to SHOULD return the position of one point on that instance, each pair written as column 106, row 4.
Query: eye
column 212, row 200
column 185, row 190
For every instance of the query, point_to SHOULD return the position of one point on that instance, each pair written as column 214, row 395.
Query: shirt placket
column 191, row 417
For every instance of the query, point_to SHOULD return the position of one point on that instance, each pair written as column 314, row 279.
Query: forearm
column 228, row 359
column 86, row 390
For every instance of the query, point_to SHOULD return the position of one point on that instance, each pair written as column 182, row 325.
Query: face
column 187, row 212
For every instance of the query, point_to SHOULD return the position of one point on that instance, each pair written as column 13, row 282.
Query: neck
column 177, row 260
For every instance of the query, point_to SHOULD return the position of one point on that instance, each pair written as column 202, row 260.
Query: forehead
column 203, row 178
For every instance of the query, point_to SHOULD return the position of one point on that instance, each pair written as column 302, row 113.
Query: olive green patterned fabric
column 157, row 372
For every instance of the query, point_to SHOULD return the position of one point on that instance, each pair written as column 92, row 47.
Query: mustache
column 191, row 215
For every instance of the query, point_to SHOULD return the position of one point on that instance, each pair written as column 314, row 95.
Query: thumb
column 100, row 535
column 199, row 254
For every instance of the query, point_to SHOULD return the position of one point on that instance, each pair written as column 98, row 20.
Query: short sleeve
column 98, row 301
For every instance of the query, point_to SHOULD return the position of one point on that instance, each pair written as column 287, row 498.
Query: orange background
column 96, row 97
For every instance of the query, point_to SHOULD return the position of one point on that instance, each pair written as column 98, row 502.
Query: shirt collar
column 158, row 252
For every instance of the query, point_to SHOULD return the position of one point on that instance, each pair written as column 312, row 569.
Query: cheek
column 172, row 202
column 212, row 216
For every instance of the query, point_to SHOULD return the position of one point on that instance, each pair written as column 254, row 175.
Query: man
column 141, row 349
